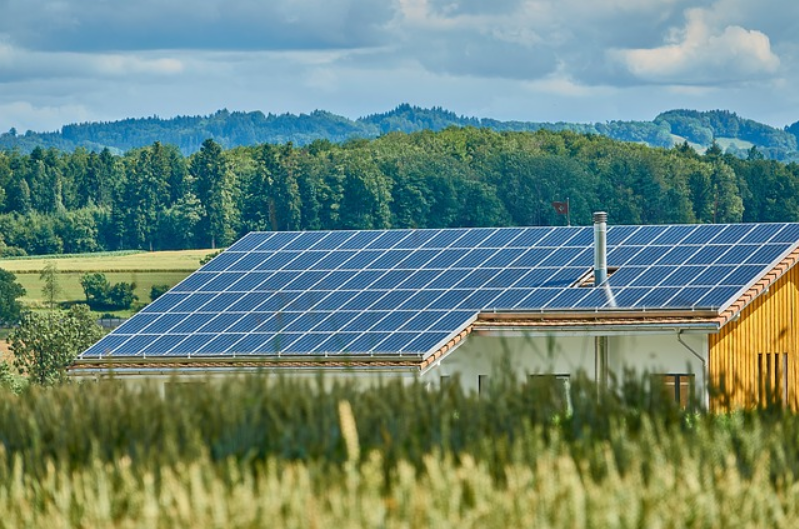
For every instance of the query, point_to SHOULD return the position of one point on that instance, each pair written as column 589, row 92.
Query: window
column 679, row 386
column 559, row 385
column 772, row 374
column 482, row 384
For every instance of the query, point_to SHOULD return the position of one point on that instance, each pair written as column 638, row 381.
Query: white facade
column 567, row 353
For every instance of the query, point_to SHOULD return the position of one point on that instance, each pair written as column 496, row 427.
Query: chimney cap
column 600, row 217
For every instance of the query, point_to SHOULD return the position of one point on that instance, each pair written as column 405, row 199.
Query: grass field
column 726, row 143
column 145, row 269
column 255, row 452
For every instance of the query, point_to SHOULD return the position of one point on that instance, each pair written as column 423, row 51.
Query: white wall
column 560, row 353
column 568, row 353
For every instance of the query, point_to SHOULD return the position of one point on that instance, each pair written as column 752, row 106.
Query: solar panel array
column 407, row 292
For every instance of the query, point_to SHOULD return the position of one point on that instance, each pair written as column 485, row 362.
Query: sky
column 71, row 61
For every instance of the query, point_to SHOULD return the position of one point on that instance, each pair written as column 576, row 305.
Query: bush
column 157, row 291
column 8, row 380
column 207, row 259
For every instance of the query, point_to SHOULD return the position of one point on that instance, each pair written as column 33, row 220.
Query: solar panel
column 673, row 235
column 762, row 233
column 500, row 238
column 250, row 321
column 619, row 234
column 163, row 344
column 408, row 291
column 165, row 323
column 249, row 242
column 472, row 238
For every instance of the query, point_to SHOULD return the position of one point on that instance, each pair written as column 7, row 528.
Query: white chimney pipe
column 600, row 248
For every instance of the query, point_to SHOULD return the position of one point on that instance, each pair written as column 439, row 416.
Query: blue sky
column 66, row 61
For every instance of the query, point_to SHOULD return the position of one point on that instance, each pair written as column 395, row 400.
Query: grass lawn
column 145, row 269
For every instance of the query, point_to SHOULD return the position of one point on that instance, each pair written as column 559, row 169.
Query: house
column 697, row 305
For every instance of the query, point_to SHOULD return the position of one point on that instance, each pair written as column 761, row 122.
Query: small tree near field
column 51, row 289
column 44, row 345
column 10, row 290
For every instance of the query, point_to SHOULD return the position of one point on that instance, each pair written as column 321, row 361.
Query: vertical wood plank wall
column 767, row 326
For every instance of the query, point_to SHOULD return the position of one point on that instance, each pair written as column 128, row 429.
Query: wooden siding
column 749, row 355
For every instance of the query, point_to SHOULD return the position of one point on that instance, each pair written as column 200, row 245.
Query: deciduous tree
column 44, row 345
column 51, row 289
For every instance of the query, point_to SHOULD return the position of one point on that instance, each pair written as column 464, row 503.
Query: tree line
column 155, row 198
column 233, row 129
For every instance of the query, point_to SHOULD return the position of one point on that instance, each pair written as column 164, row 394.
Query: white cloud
column 25, row 116
column 700, row 54
column 18, row 64
column 572, row 60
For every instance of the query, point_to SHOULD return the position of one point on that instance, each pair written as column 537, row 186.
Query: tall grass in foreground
column 253, row 452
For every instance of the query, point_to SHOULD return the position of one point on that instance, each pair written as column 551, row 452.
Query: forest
column 154, row 197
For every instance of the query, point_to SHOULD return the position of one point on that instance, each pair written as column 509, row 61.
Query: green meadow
column 145, row 269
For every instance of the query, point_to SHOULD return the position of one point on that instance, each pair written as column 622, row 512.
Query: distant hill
column 231, row 129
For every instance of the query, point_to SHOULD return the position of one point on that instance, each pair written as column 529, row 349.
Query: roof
column 397, row 295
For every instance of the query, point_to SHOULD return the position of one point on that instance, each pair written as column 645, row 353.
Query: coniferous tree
column 216, row 189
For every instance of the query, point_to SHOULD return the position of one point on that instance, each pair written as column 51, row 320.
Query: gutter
column 593, row 330
column 597, row 314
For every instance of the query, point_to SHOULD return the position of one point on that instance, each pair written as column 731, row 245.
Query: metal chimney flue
column 600, row 247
